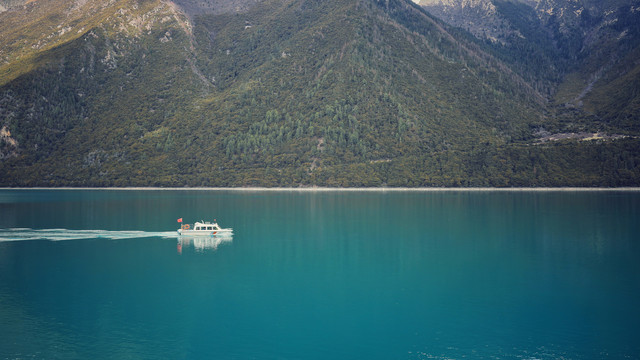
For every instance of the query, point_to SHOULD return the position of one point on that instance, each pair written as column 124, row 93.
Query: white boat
column 204, row 228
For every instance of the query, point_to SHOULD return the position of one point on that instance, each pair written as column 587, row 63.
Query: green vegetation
column 289, row 93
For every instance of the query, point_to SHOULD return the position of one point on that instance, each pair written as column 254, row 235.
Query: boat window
column 197, row 227
column 209, row 228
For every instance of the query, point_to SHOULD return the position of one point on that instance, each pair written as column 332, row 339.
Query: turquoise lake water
column 320, row 275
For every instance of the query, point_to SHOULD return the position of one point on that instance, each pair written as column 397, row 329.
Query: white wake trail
column 22, row 234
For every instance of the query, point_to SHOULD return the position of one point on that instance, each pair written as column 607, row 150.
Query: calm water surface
column 324, row 275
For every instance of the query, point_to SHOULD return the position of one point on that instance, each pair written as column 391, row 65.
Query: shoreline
column 338, row 189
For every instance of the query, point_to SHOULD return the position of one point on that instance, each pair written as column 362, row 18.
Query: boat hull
column 219, row 232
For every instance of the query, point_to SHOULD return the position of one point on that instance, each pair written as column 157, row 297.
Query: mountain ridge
column 282, row 93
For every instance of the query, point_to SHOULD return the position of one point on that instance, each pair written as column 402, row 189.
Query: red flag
column 180, row 220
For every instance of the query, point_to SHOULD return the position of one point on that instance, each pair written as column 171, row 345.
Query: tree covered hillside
column 581, row 54
column 279, row 93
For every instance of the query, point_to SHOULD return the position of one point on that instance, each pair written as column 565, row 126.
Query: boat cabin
column 206, row 227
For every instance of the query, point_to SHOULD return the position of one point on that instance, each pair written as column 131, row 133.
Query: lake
column 101, row 274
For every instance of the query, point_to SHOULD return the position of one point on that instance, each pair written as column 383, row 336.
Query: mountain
column 479, row 17
column 290, row 93
column 581, row 54
column 7, row 4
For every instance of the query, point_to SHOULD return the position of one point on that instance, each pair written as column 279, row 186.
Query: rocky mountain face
column 480, row 17
column 571, row 48
column 499, row 20
column 8, row 4
column 304, row 92
column 204, row 7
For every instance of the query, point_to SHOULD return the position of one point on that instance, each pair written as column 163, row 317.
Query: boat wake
column 21, row 234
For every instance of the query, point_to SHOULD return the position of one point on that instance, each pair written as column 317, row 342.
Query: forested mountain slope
column 278, row 93
column 582, row 54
